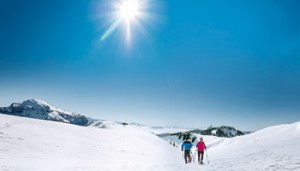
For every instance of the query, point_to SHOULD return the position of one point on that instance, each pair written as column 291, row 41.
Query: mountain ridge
column 38, row 109
column 222, row 131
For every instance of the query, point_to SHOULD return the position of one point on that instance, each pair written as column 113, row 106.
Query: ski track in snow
column 37, row 145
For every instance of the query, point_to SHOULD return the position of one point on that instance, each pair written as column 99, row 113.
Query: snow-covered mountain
column 39, row 109
column 222, row 131
column 37, row 145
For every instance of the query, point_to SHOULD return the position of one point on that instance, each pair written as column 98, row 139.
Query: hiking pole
column 194, row 157
column 207, row 156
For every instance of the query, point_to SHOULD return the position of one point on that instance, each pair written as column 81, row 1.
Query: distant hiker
column 186, row 146
column 201, row 147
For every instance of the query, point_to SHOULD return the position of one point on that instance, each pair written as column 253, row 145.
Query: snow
column 165, row 130
column 214, row 132
column 30, row 144
column 230, row 132
column 38, row 109
column 39, row 104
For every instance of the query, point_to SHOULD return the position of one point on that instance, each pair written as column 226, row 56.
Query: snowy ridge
column 39, row 109
column 222, row 131
column 104, row 124
column 284, row 132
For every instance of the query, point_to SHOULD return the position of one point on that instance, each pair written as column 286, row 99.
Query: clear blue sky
column 206, row 62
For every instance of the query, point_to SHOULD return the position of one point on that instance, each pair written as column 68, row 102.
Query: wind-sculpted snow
column 30, row 144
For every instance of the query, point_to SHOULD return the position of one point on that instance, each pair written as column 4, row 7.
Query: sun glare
column 128, row 16
column 129, row 9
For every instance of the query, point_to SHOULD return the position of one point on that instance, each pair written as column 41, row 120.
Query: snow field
column 31, row 144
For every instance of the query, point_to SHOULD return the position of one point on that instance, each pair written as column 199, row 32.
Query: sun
column 128, row 17
column 129, row 9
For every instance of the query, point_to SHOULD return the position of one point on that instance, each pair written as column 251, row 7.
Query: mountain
column 219, row 132
column 222, row 131
column 39, row 109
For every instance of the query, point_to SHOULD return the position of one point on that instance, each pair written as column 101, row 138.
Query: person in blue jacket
column 186, row 146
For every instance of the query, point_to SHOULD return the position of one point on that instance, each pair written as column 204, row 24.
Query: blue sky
column 204, row 62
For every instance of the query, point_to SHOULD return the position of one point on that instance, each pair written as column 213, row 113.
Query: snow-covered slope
column 30, row 144
column 39, row 109
column 272, row 148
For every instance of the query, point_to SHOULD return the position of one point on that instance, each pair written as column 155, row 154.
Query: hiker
column 201, row 147
column 186, row 146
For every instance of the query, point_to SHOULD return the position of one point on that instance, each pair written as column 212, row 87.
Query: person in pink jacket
column 201, row 147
